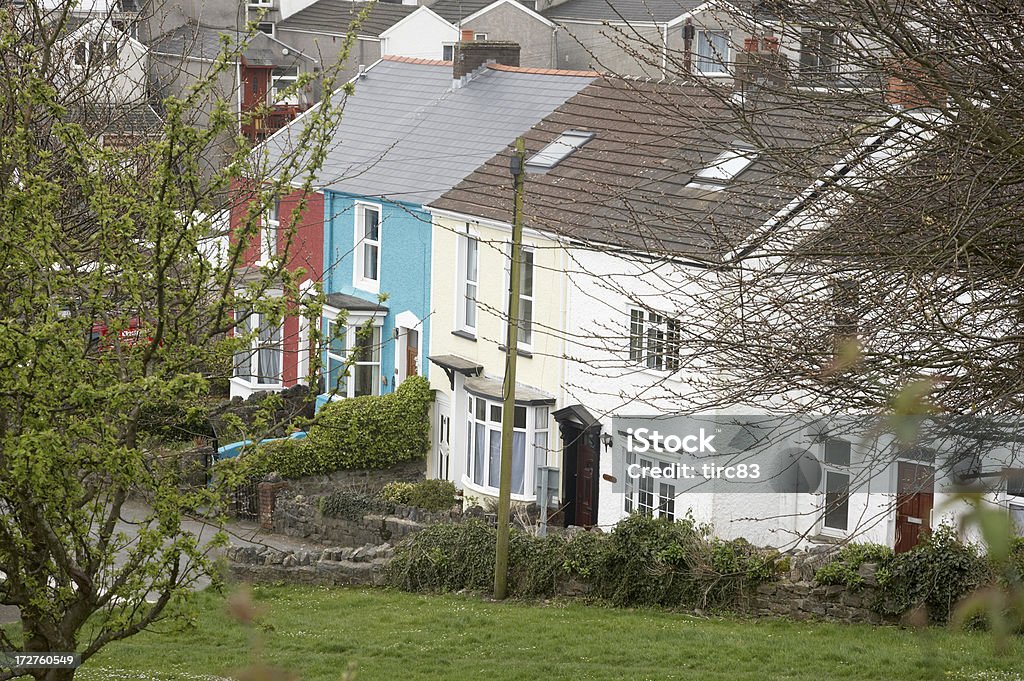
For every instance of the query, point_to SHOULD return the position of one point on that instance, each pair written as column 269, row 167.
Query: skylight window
column 556, row 152
column 724, row 168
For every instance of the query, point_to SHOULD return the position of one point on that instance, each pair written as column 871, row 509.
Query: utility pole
column 517, row 168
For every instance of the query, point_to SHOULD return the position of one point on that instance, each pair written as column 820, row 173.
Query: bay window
column 529, row 444
column 353, row 358
column 647, row 495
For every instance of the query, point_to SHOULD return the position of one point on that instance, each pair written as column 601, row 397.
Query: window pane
column 471, row 305
column 478, row 454
column 370, row 262
column 371, row 224
column 365, row 379
column 520, row 418
column 335, row 376
column 667, row 501
column 494, row 459
column 526, row 283
column 496, row 413
column 518, row 461
column 481, row 409
column 525, row 321
column 837, row 500
column 540, row 449
column 636, row 335
column 837, row 452
column 655, row 341
column 269, row 365
column 541, row 418
column 472, row 257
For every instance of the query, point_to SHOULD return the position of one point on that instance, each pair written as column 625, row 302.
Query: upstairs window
column 819, row 51
column 712, row 52
column 96, row 53
column 525, row 335
column 469, row 274
column 367, row 247
column 269, row 233
column 654, row 340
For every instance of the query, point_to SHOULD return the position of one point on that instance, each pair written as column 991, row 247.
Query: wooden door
column 255, row 83
column 412, row 352
column 915, row 494
column 586, row 474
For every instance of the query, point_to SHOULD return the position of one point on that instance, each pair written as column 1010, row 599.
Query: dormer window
column 724, row 169
column 96, row 53
column 559, row 150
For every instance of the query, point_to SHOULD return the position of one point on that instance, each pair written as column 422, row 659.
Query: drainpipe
column 238, row 81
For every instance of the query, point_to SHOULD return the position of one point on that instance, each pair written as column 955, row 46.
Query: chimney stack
column 470, row 56
column 760, row 64
column 907, row 87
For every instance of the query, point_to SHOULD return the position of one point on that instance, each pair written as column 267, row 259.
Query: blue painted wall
column 404, row 267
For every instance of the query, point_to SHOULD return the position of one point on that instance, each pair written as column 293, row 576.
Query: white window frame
column 831, row 470
column 464, row 284
column 479, row 36
column 258, row 345
column 361, row 243
column 269, row 231
column 718, row 62
column 90, row 47
column 260, row 3
column 448, row 47
column 526, row 326
column 647, row 495
column 655, row 340
column 484, row 415
column 350, row 338
column 273, row 28
column 288, row 79
column 812, row 52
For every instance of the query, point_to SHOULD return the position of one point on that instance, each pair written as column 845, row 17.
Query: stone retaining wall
column 794, row 596
column 324, row 567
column 362, row 480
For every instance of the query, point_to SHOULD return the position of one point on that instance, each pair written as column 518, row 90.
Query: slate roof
column 408, row 136
column 131, row 119
column 622, row 10
column 628, row 185
column 196, row 41
column 456, row 10
column 334, row 17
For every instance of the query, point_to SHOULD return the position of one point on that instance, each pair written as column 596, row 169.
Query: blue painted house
column 412, row 130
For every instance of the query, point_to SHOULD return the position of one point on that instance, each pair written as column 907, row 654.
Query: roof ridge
column 416, row 60
column 543, row 72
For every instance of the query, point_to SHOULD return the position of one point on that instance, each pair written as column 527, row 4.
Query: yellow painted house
column 469, row 292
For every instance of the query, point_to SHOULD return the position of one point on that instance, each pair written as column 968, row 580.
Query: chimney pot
column 751, row 44
column 771, row 44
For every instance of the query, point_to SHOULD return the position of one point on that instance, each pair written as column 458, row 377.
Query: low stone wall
column 798, row 597
column 302, row 518
column 324, row 567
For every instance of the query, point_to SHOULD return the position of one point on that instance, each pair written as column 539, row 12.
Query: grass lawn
column 318, row 632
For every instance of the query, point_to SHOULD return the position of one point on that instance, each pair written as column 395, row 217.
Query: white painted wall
column 420, row 35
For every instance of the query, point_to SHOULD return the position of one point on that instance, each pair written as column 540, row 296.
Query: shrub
column 353, row 505
column 397, row 492
column 936, row 573
column 648, row 562
column 845, row 564
column 373, row 431
column 360, row 432
column 432, row 495
column 655, row 561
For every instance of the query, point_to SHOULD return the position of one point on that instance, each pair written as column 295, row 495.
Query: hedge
column 373, row 431
column 643, row 561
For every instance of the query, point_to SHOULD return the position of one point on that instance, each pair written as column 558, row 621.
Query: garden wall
column 794, row 595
